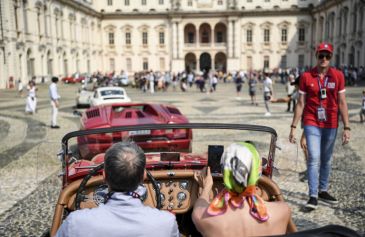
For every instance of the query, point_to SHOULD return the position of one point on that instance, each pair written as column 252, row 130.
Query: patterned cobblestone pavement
column 29, row 184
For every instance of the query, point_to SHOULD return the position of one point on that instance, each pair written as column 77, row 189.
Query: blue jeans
column 320, row 144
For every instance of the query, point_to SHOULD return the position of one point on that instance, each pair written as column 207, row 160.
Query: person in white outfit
column 31, row 101
column 151, row 79
column 53, row 94
column 268, row 91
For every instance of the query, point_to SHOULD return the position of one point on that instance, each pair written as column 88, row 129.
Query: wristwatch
column 347, row 128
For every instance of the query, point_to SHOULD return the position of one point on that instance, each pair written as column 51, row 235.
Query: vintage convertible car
column 170, row 184
column 124, row 114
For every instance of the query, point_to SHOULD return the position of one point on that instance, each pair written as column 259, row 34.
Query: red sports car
column 73, row 79
column 128, row 114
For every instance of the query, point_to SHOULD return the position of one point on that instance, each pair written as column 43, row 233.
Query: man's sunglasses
column 322, row 56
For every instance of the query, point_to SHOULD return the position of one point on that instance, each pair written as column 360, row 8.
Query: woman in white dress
column 31, row 102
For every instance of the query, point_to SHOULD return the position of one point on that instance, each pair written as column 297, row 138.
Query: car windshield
column 185, row 145
column 111, row 92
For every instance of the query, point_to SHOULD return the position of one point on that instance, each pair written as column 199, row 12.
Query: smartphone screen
column 214, row 158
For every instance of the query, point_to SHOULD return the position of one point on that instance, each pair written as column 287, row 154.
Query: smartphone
column 214, row 158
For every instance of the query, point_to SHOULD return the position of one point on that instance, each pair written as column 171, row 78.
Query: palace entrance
column 205, row 62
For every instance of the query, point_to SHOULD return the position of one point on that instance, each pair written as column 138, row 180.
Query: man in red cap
column 321, row 97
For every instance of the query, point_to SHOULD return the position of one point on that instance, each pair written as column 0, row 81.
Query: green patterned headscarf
column 241, row 166
column 241, row 170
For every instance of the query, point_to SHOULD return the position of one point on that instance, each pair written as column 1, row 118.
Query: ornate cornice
column 81, row 7
column 205, row 14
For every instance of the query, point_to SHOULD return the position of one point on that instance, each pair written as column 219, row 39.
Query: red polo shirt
column 308, row 86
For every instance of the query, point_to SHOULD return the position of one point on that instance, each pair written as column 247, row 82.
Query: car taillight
column 180, row 133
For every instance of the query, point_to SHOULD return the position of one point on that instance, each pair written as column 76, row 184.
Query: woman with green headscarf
column 237, row 210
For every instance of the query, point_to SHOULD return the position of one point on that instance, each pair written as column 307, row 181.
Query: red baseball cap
column 324, row 47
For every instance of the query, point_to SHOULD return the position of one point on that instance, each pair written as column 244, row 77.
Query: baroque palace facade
column 42, row 38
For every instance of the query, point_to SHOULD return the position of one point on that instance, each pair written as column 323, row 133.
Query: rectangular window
column 283, row 61
column 45, row 24
column 112, row 64
column 249, row 36
column 161, row 2
column 111, row 38
column 25, row 18
column 190, row 37
column 145, row 64
column 144, row 2
column 126, row 2
column 220, row 2
column 266, row 62
column 30, row 65
column 284, row 35
column 144, row 38
column 49, row 67
column 266, row 35
column 162, row 64
column 129, row 64
column 16, row 18
column 162, row 37
column 301, row 60
column 249, row 62
column 128, row 38
column 56, row 26
column 61, row 26
column 110, row 2
column 249, row 0
column 267, row 0
column 301, row 34
column 190, row 3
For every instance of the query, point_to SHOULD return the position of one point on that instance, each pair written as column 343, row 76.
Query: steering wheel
column 95, row 170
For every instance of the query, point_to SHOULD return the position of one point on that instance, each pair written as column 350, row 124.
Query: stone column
column 180, row 39
column 230, row 38
column 198, row 63
column 236, row 38
column 197, row 37
column 174, row 40
column 317, row 33
column 212, row 37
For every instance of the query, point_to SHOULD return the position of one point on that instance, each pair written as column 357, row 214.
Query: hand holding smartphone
column 214, row 158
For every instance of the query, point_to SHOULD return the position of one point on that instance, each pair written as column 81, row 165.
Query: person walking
column 20, row 88
column 151, row 79
column 362, row 110
column 252, row 83
column 290, row 89
column 268, row 91
column 53, row 94
column 238, row 82
column 31, row 101
column 321, row 98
